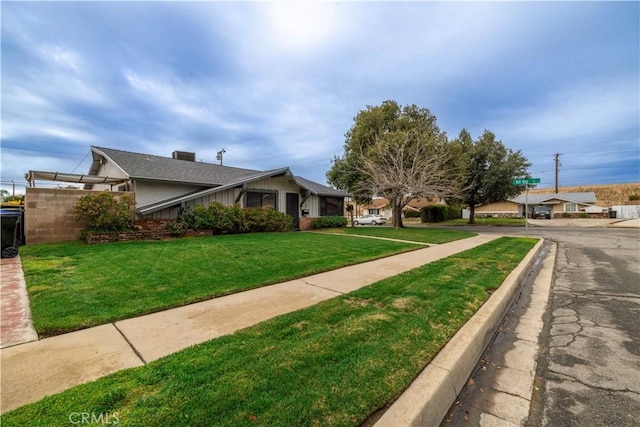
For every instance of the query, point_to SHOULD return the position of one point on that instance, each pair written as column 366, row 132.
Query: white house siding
column 312, row 204
column 226, row 197
column 148, row 192
column 112, row 171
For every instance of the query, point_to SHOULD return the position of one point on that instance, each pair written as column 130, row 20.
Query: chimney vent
column 184, row 155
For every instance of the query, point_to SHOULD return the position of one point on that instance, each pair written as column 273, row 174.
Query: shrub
column 411, row 214
column 223, row 219
column 434, row 213
column 187, row 217
column 266, row 220
column 335, row 221
column 566, row 215
column 634, row 197
column 583, row 215
column 455, row 209
column 177, row 228
column 202, row 218
column 104, row 213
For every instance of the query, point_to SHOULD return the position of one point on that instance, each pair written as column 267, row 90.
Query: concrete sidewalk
column 34, row 370
column 16, row 326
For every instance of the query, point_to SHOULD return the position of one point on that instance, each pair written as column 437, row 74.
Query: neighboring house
column 381, row 206
column 163, row 186
column 558, row 204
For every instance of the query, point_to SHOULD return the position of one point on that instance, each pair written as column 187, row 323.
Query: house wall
column 112, row 171
column 226, row 197
column 148, row 192
column 500, row 208
column 49, row 216
column 281, row 185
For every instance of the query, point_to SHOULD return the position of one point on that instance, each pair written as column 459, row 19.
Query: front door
column 292, row 209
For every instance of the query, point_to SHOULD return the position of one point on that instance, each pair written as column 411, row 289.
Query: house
column 164, row 185
column 559, row 204
column 382, row 206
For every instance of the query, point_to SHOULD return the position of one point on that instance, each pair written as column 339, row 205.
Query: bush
column 634, row 197
column 434, row 213
column 455, row 209
column 266, row 220
column 566, row 215
column 583, row 215
column 104, row 213
column 411, row 214
column 223, row 219
column 335, row 221
column 187, row 217
column 177, row 228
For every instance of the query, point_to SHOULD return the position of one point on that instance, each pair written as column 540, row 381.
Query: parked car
column 541, row 212
column 370, row 219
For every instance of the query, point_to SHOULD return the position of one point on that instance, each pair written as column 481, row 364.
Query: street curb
column 429, row 397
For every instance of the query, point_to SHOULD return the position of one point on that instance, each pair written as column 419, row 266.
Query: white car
column 370, row 219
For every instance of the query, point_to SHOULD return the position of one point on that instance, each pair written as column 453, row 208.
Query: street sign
column 523, row 181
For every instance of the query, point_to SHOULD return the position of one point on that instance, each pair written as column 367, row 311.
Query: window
column 374, row 211
column 261, row 199
column 570, row 207
column 331, row 206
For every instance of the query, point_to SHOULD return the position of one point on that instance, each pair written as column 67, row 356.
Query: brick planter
column 305, row 222
column 126, row 236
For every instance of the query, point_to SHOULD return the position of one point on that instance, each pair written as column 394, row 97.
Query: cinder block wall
column 49, row 216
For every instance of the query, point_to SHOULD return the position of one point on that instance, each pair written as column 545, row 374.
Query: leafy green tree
column 395, row 152
column 489, row 168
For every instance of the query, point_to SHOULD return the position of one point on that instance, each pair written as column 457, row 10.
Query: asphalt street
column 588, row 366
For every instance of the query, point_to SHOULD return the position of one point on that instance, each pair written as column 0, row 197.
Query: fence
column 49, row 216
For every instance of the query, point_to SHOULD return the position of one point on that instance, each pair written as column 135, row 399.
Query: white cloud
column 194, row 102
column 61, row 56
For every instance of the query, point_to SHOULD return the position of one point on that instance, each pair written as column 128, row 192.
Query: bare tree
column 403, row 165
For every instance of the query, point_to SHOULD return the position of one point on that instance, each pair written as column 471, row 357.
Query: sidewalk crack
column 322, row 287
column 130, row 344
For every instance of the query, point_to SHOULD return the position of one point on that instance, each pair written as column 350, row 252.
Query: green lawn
column 332, row 364
column 415, row 234
column 74, row 286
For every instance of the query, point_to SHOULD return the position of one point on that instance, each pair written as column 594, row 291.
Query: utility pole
column 557, row 157
column 219, row 156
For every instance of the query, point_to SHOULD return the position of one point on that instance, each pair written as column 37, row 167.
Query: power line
column 85, row 156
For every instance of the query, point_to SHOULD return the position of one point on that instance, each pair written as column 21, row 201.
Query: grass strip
column 332, row 364
column 414, row 234
column 74, row 286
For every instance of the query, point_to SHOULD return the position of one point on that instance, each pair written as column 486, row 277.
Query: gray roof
column 587, row 198
column 156, row 168
column 319, row 189
column 218, row 178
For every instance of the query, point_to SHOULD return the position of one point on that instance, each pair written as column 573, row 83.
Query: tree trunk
column 397, row 214
column 472, row 213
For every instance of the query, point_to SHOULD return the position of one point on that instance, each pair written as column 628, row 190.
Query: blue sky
column 278, row 84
